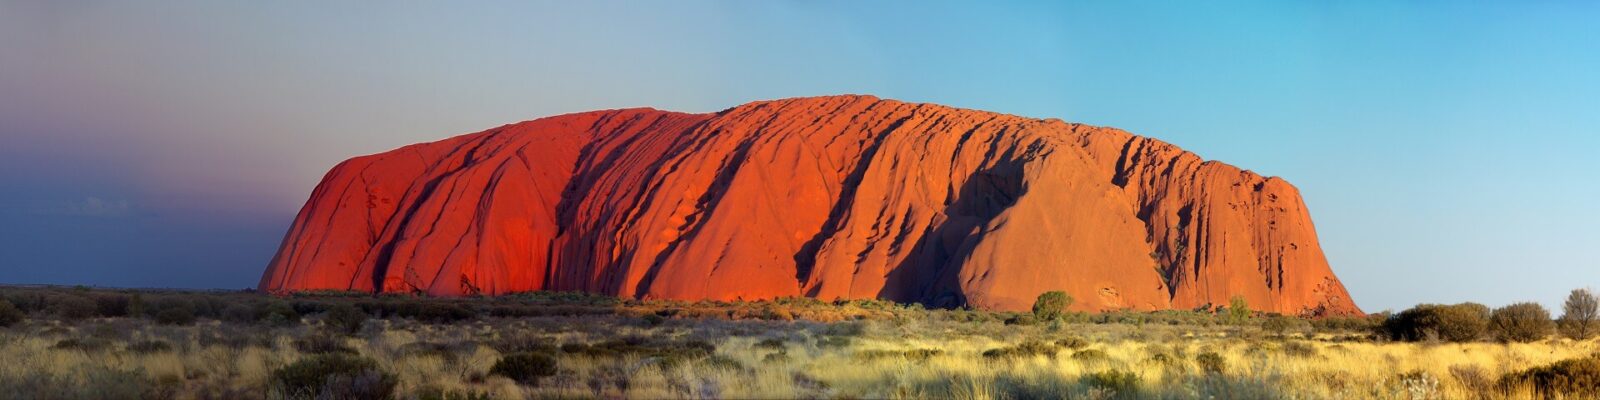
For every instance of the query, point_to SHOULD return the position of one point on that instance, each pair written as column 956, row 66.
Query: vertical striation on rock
column 827, row 197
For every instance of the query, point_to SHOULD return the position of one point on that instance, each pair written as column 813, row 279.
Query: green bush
column 1021, row 319
column 917, row 355
column 345, row 318
column 1122, row 383
column 1072, row 343
column 1024, row 349
column 335, row 376
column 1299, row 349
column 1050, row 305
column 653, row 320
column 1521, row 322
column 525, row 368
column 1455, row 323
column 1281, row 325
column 1573, row 378
column 1238, row 310
column 770, row 343
column 1211, row 362
column 1091, row 355
column 9, row 314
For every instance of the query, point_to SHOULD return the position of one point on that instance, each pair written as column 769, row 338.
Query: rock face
column 827, row 197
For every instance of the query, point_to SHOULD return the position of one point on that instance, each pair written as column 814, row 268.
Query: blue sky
column 1445, row 148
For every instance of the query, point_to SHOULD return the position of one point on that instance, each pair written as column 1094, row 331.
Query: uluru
column 838, row 197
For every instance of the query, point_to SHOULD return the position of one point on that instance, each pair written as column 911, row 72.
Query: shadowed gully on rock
column 826, row 197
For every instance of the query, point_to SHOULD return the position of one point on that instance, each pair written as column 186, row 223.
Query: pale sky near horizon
column 1446, row 149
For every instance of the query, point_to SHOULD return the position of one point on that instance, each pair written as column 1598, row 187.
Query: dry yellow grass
column 1161, row 358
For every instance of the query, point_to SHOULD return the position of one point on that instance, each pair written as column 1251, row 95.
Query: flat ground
column 239, row 345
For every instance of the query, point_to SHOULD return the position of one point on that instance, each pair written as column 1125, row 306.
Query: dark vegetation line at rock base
column 1521, row 322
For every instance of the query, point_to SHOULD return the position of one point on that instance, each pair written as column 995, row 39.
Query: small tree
column 1580, row 317
column 1238, row 310
column 1521, row 322
column 1050, row 305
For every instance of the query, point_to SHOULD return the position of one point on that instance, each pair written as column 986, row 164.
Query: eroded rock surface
column 826, row 197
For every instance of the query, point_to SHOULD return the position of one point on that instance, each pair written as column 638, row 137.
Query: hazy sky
column 1447, row 150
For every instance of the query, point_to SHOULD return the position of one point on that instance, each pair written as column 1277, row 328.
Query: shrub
column 9, row 314
column 149, row 346
column 913, row 354
column 527, row 343
column 436, row 393
column 345, row 318
column 1281, row 325
column 1580, row 316
column 525, row 368
column 1123, row 383
column 173, row 311
column 111, row 305
column 136, row 307
column 1072, row 342
column 74, row 307
column 654, row 320
column 239, row 313
column 1577, row 378
column 1050, row 305
column 1456, row 323
column 1299, row 349
column 1024, row 349
column 83, row 344
column 1091, row 355
column 1521, row 322
column 1211, row 362
column 1472, row 377
column 1238, row 310
column 278, row 313
column 175, row 316
column 1349, row 324
column 320, row 344
column 337, row 376
column 1021, row 319
column 440, row 313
